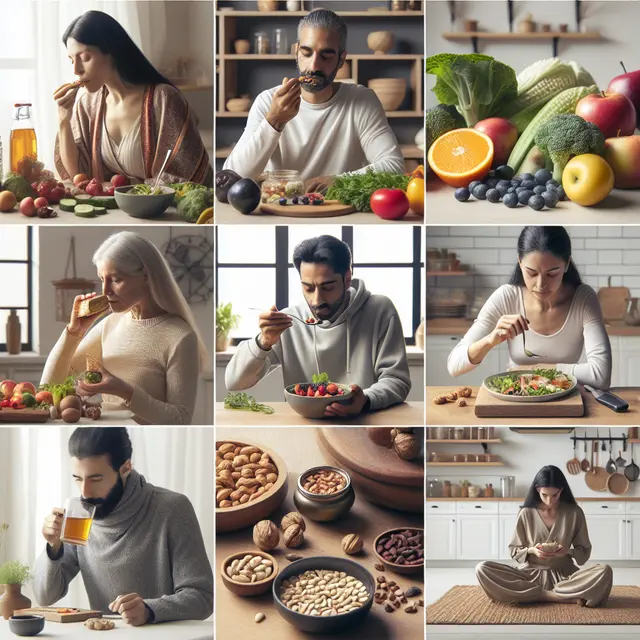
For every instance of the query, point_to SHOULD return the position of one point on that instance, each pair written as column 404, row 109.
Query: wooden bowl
column 252, row 588
column 380, row 42
column 268, row 5
column 398, row 568
column 246, row 515
column 238, row 105
column 390, row 91
column 242, row 47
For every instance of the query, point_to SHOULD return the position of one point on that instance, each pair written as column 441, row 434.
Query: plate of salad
column 532, row 385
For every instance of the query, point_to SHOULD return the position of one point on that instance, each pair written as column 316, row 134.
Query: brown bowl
column 398, row 568
column 248, row 589
column 246, row 515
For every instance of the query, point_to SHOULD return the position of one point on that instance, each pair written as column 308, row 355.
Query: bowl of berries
column 310, row 399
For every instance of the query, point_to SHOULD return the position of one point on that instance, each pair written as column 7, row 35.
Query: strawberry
column 340, row 392
column 297, row 389
column 317, row 394
column 332, row 389
column 322, row 390
column 310, row 392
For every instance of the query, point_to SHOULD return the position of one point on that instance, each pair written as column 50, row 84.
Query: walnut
column 452, row 396
column 293, row 536
column 407, row 446
column 465, row 392
column 462, row 402
column 293, row 518
column 352, row 544
column 266, row 535
column 99, row 624
column 440, row 400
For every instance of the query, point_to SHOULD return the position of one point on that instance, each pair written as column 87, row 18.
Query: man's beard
column 323, row 81
column 105, row 506
column 333, row 309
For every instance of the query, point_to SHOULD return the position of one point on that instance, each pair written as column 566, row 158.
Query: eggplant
column 225, row 179
column 244, row 195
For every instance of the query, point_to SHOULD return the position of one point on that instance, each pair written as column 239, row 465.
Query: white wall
column 616, row 20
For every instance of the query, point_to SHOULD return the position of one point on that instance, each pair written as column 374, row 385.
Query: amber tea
column 76, row 524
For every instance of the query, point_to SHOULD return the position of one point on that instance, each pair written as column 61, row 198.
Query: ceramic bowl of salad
column 143, row 201
column 310, row 399
column 532, row 385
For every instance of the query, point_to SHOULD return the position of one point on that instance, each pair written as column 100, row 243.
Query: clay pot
column 267, row 5
column 242, row 47
column 471, row 26
column 380, row 42
column 222, row 343
column 13, row 600
column 390, row 91
column 239, row 105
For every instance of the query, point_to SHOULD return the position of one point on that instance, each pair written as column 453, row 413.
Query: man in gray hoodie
column 145, row 558
column 357, row 338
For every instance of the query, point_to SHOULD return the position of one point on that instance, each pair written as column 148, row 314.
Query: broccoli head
column 566, row 136
column 441, row 120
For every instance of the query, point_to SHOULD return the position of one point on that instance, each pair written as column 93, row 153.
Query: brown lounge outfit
column 560, row 574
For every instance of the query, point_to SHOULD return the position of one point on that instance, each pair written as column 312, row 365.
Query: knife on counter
column 608, row 399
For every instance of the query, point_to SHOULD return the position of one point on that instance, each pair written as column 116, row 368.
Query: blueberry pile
column 537, row 191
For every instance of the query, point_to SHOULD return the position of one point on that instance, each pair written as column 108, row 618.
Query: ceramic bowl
column 144, row 206
column 248, row 589
column 242, row 47
column 246, row 515
column 239, row 105
column 398, row 568
column 329, row 624
column 311, row 407
column 390, row 91
column 380, row 42
column 26, row 625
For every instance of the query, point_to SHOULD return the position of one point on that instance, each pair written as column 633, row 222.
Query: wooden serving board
column 51, row 614
column 329, row 209
column 23, row 415
column 487, row 406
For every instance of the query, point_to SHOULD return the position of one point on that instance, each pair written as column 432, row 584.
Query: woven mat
column 470, row 605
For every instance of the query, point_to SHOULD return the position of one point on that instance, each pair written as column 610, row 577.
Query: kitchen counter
column 185, row 630
column 595, row 413
column 622, row 206
column 578, row 499
column 235, row 615
column 115, row 217
column 407, row 413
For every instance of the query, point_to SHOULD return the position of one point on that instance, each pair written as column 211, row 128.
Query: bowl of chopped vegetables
column 310, row 399
column 533, row 385
column 143, row 201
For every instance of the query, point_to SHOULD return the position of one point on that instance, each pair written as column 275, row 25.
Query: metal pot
column 507, row 486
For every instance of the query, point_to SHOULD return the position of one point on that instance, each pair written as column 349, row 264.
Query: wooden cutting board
column 51, row 614
column 329, row 209
column 487, row 406
column 23, row 415
column 613, row 301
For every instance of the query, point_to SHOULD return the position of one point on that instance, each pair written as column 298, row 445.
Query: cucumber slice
column 83, row 198
column 99, row 211
column 68, row 204
column 84, row 211
column 107, row 202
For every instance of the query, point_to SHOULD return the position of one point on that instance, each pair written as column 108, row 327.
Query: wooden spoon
column 573, row 466
column 584, row 465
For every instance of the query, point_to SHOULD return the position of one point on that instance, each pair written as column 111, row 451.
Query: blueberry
column 473, row 185
column 550, row 198
column 552, row 183
column 282, row 201
column 543, row 176
column 511, row 200
column 491, row 183
column 511, row 190
column 493, row 195
column 526, row 176
column 294, row 200
column 304, row 200
column 504, row 171
column 317, row 202
column 519, row 190
column 561, row 194
column 536, row 202
column 462, row 194
column 539, row 189
column 516, row 182
column 523, row 196
column 528, row 184
column 503, row 183
column 502, row 189
column 480, row 192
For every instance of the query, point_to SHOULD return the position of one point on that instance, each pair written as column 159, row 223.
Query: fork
column 308, row 324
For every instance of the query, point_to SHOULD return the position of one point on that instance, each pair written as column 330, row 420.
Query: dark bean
column 412, row 592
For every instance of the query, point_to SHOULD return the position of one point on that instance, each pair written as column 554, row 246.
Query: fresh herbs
column 59, row 391
column 320, row 378
column 244, row 402
column 355, row 189
column 537, row 382
column 145, row 190
column 15, row 572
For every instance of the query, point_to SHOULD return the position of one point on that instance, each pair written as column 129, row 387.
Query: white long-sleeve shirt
column 348, row 133
column 583, row 330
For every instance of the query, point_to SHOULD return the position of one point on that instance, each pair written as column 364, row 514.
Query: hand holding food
column 132, row 609
column 285, row 103
column 109, row 384
column 352, row 409
column 319, row 184
column 507, row 328
column 272, row 324
column 86, row 308
column 65, row 97
column 547, row 550
column 52, row 528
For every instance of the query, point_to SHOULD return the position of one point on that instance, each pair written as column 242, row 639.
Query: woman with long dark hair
column 127, row 117
column 546, row 298
column 550, row 539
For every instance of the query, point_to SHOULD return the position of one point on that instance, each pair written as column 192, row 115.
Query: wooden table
column 407, row 413
column 113, row 217
column 595, row 413
column 235, row 615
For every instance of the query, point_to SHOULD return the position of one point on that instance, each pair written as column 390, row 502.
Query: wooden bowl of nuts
column 251, row 483
column 401, row 550
column 249, row 573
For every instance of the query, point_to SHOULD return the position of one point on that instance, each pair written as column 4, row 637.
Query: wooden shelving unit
column 301, row 14
column 493, row 441
column 444, row 274
column 195, row 87
column 465, row 464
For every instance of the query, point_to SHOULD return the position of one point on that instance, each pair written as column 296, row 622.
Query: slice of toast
column 93, row 306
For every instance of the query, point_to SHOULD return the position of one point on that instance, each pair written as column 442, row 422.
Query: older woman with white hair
column 149, row 349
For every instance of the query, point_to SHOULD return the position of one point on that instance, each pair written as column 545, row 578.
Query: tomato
column 44, row 397
column 5, row 403
column 389, row 204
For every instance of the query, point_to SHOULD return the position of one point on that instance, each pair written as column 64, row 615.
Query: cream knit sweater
column 157, row 356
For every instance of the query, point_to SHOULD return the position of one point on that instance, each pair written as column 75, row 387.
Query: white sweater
column 583, row 330
column 348, row 133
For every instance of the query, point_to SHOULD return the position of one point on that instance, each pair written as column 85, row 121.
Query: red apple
column 94, row 188
column 119, row 180
column 623, row 156
column 78, row 178
column 56, row 194
column 504, row 136
column 28, row 207
column 110, row 191
column 628, row 84
column 24, row 387
column 7, row 387
column 613, row 113
column 41, row 202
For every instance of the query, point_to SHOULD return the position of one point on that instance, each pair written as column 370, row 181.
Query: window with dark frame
column 21, row 287
column 280, row 267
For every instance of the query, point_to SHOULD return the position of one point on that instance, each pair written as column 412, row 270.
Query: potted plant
column 4, row 527
column 464, row 488
column 226, row 320
column 13, row 575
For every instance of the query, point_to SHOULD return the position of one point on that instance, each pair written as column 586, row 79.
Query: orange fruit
column 461, row 156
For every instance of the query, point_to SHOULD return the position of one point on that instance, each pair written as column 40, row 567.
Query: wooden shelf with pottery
column 444, row 274
column 373, row 13
column 449, row 441
column 257, row 57
column 465, row 464
column 578, row 499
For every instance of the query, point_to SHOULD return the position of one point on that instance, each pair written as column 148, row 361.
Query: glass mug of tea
column 76, row 522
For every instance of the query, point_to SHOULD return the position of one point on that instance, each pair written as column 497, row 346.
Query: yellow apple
column 587, row 179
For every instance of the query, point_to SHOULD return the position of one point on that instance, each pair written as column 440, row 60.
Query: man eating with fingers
column 145, row 558
column 355, row 336
column 311, row 123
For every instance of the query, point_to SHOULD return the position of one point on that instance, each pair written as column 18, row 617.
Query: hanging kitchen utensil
column 584, row 465
column 611, row 464
column 604, row 446
column 613, row 302
column 618, row 484
column 573, row 465
column 598, row 477
column 632, row 471
column 620, row 461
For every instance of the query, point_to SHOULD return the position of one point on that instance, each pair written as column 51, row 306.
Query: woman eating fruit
column 149, row 349
column 550, row 539
column 129, row 115
column 547, row 303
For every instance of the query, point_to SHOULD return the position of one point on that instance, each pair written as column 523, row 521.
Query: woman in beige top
column 148, row 348
column 549, row 515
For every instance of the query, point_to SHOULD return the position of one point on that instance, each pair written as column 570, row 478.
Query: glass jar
column 261, row 43
column 323, row 507
column 446, row 489
column 482, row 433
column 280, row 41
column 442, row 433
column 456, row 490
column 434, row 488
column 282, row 184
column 459, row 433
column 459, row 457
column 474, row 433
column 474, row 491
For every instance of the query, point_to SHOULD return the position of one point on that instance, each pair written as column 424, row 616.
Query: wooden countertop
column 235, row 615
column 578, row 499
column 407, row 413
column 114, row 217
column 595, row 413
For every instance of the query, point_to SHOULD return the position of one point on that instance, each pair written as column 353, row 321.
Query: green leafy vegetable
column 320, row 378
column 145, row 190
column 441, row 120
column 182, row 188
column 194, row 203
column 59, row 391
column 19, row 186
column 15, row 572
column 243, row 401
column 355, row 189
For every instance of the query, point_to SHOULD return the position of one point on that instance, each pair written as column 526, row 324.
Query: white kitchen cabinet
column 476, row 537
column 437, row 353
column 628, row 358
column 633, row 536
column 507, row 527
column 441, row 537
column 608, row 537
